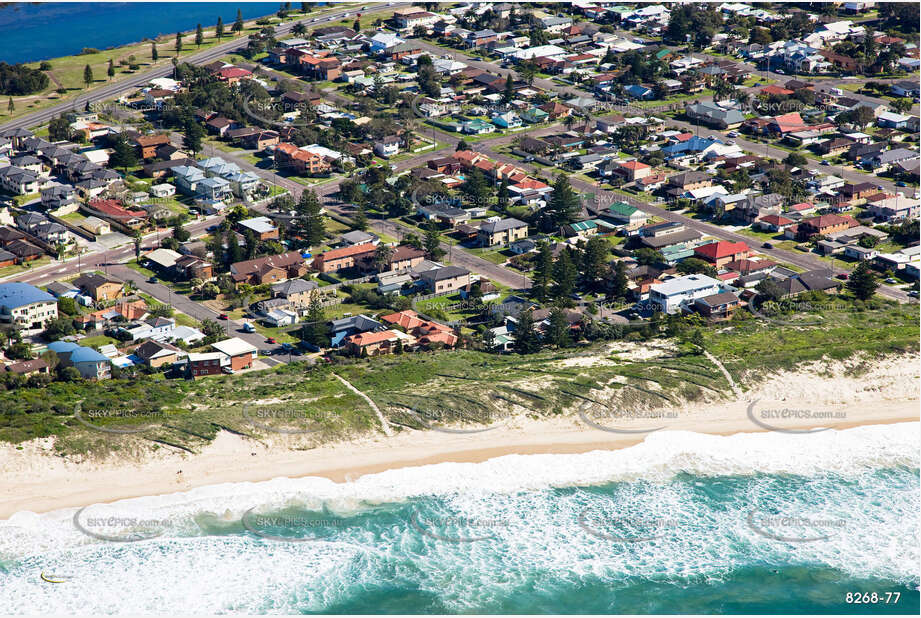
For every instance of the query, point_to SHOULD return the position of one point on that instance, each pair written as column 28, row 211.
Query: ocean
column 681, row 523
column 30, row 32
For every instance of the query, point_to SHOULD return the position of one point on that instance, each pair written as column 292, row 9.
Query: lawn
column 98, row 340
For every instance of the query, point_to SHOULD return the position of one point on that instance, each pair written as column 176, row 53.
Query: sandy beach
column 34, row 479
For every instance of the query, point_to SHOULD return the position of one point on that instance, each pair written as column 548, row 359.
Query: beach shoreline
column 38, row 481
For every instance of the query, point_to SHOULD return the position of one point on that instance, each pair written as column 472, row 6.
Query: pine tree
column 314, row 330
column 502, row 198
column 526, row 338
column 238, row 23
column 310, row 224
column 618, row 285
column 564, row 276
column 154, row 54
column 509, row 93
column 234, row 250
column 558, row 329
column 178, row 43
column 360, row 220
column 219, row 28
column 543, row 268
column 11, row 106
column 199, row 35
column 594, row 262
column 862, row 282
column 432, row 242
column 193, row 133
column 563, row 207
column 123, row 154
column 111, row 70
column 87, row 75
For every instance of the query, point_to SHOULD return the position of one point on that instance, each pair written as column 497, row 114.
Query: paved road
column 109, row 91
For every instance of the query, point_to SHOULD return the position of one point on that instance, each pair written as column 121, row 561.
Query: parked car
column 227, row 370
column 824, row 162
column 913, row 293
column 153, row 280
column 271, row 340
column 223, row 316
column 733, row 134
column 901, row 183
column 842, row 276
column 767, row 245
column 891, row 281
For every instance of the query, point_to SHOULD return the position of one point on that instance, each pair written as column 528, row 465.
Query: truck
column 248, row 328
column 837, row 92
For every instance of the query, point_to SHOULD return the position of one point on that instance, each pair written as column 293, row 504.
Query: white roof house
column 234, row 347
column 259, row 225
column 671, row 294
column 545, row 51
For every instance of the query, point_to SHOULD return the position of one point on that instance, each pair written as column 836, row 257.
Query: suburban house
column 823, row 224
column 719, row 306
column 297, row 292
column 680, row 292
column 501, row 232
column 621, row 213
column 156, row 353
column 269, row 269
column 261, row 227
column 722, row 252
column 91, row 364
column 374, row 343
column 445, row 279
column 25, row 306
column 387, row 146
column 345, row 257
column 206, row 364
column 100, row 287
column 241, row 353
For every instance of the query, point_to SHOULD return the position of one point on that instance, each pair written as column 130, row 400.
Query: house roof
column 234, row 346
column 363, row 339
column 502, row 225
column 721, row 249
column 16, row 294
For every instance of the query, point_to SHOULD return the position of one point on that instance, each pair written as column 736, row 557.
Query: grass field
column 465, row 386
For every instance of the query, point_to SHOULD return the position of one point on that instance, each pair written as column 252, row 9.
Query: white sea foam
column 538, row 543
column 658, row 458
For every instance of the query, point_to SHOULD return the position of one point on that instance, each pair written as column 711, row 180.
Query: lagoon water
column 30, row 32
column 682, row 523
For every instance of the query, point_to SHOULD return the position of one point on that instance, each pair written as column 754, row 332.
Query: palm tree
column 569, row 122
column 196, row 284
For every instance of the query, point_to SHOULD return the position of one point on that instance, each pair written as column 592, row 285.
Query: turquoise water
column 30, row 32
column 772, row 533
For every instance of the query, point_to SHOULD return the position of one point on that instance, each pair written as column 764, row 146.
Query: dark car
column 842, row 276
column 768, row 245
column 153, row 280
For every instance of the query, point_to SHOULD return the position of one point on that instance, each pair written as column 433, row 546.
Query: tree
column 311, row 227
column 57, row 328
column 199, row 35
column 526, row 338
column 564, row 204
column 154, row 54
column 431, row 242
column 10, row 106
column 382, row 256
column 178, row 43
column 87, row 75
column 618, row 286
column 192, row 135
column 314, row 330
column 902, row 105
column 646, row 256
column 594, row 262
column 796, row 160
column 461, row 146
column 360, row 220
column 564, row 276
column 509, row 92
column 111, row 70
column 543, row 271
column 123, row 154
column 238, row 23
column 299, row 29
column 234, row 250
column 219, row 28
column 356, row 26
column 503, row 195
column 694, row 265
column 862, row 282
column 558, row 329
